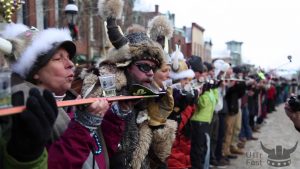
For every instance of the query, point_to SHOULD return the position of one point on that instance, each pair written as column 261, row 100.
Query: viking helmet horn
column 266, row 150
column 111, row 10
column 291, row 150
column 115, row 34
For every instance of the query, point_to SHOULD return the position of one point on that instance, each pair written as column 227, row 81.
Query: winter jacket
column 233, row 94
column 129, row 144
column 71, row 145
column 74, row 148
column 113, row 128
column 155, row 141
column 138, row 144
column 271, row 93
column 180, row 153
column 39, row 163
column 253, row 103
column 120, row 133
column 206, row 106
column 181, row 101
column 220, row 103
column 7, row 161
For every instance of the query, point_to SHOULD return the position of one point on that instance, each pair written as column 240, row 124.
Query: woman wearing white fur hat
column 70, row 136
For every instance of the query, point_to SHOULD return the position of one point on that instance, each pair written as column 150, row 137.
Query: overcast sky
column 269, row 29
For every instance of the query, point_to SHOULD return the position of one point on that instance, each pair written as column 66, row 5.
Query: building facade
column 207, row 51
column 235, row 49
column 142, row 18
column 92, row 41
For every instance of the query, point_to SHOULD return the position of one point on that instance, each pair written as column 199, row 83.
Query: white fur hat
column 12, row 30
column 41, row 49
column 220, row 65
column 14, row 40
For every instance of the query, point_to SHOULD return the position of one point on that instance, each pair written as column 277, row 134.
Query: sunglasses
column 146, row 68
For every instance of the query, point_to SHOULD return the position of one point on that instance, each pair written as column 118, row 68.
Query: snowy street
column 278, row 130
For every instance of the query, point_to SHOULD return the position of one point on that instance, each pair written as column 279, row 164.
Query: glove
column 186, row 99
column 159, row 110
column 31, row 129
column 206, row 87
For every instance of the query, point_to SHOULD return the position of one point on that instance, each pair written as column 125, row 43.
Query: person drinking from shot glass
column 133, row 60
column 68, row 137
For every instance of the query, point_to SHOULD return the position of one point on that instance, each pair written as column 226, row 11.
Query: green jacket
column 206, row 106
column 11, row 163
column 5, row 128
column 39, row 163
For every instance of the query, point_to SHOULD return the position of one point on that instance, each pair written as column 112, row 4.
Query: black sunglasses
column 144, row 67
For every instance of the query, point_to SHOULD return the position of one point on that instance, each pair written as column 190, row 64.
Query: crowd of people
column 202, row 119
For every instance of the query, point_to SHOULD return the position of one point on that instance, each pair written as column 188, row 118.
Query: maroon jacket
column 74, row 148
column 113, row 128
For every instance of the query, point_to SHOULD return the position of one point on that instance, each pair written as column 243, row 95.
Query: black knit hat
column 209, row 66
column 237, row 70
column 195, row 63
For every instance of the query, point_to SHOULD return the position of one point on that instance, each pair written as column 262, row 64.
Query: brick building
column 179, row 35
column 92, row 39
column 194, row 40
column 178, row 38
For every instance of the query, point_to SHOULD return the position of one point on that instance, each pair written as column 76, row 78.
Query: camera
column 294, row 103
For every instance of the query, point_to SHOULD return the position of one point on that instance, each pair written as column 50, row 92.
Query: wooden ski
column 19, row 109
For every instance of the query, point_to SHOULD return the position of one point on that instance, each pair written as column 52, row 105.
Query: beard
column 131, row 79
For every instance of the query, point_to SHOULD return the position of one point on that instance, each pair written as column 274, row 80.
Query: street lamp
column 71, row 11
column 289, row 58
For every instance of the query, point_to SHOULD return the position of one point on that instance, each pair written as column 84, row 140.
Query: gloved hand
column 32, row 128
column 206, row 87
column 187, row 99
column 159, row 110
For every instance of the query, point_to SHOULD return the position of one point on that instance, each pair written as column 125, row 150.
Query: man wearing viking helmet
column 133, row 59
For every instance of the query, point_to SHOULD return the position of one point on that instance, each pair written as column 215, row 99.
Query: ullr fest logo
column 279, row 156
